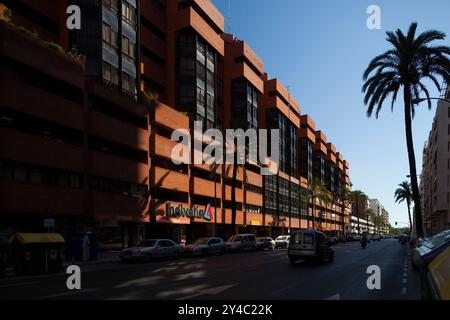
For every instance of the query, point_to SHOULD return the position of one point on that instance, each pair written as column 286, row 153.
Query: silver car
column 241, row 243
column 148, row 250
column 205, row 247
column 282, row 242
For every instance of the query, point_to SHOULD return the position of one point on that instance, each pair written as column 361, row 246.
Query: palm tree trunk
column 412, row 160
column 343, row 221
column 410, row 219
column 313, row 213
column 233, row 194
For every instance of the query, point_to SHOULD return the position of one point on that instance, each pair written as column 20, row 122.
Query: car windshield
column 147, row 243
column 200, row 242
column 235, row 239
column 281, row 238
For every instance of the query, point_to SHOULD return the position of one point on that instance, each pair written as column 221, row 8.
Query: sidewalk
column 103, row 257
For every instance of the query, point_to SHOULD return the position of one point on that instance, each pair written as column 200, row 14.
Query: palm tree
column 411, row 60
column 404, row 194
column 356, row 197
column 315, row 191
column 371, row 216
column 342, row 197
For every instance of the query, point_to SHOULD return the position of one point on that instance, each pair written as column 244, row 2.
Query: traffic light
column 396, row 223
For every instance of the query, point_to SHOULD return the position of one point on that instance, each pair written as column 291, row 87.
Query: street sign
column 49, row 223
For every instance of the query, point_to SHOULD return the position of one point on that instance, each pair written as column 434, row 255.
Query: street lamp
column 420, row 100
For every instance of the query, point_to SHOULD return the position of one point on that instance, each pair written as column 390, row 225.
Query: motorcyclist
column 364, row 239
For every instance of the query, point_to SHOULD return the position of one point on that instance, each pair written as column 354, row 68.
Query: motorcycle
column 363, row 243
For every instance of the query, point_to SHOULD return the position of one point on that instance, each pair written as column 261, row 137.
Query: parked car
column 147, row 250
column 310, row 245
column 264, row 243
column 282, row 242
column 205, row 247
column 425, row 253
column 376, row 237
column 241, row 243
column 437, row 278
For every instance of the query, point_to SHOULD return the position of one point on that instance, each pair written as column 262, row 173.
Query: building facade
column 86, row 139
column 435, row 177
column 380, row 211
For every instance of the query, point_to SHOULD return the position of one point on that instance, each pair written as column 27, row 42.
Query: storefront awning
column 27, row 238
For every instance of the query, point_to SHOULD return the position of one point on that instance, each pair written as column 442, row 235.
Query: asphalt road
column 247, row 276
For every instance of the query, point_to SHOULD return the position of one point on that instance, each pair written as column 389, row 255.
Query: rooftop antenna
column 229, row 17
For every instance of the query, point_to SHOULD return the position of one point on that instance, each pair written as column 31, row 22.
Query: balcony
column 274, row 85
column 255, row 199
column 15, row 145
column 169, row 117
column 118, row 131
column 114, row 207
column 205, row 188
column 167, row 179
column 239, row 194
column 228, row 172
column 153, row 70
column 24, row 98
column 253, row 178
column 162, row 146
column 109, row 166
column 37, row 54
column 37, row 198
column 203, row 17
column 228, row 216
column 155, row 15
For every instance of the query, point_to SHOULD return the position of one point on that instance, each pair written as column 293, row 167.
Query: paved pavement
column 255, row 276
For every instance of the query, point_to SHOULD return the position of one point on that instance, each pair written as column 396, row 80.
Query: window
column 110, row 74
column 128, row 50
column 39, row 175
column 20, row 173
column 111, row 4
column 128, row 84
column 308, row 239
column 107, row 185
column 129, row 13
column 109, row 38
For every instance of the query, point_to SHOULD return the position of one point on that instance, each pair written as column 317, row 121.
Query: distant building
column 378, row 208
column 435, row 178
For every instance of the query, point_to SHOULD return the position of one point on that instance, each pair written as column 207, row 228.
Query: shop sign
column 255, row 223
column 191, row 212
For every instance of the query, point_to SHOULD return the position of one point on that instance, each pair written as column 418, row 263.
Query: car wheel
column 176, row 255
column 148, row 257
column 241, row 249
column 205, row 252
column 253, row 248
column 222, row 251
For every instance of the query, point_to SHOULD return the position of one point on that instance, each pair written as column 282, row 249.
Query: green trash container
column 37, row 253
column 3, row 254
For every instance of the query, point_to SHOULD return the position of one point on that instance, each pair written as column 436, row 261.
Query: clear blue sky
column 320, row 49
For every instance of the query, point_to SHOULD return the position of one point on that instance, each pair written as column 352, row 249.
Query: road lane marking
column 211, row 291
column 337, row 296
column 405, row 280
column 404, row 290
column 63, row 294
column 18, row 284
